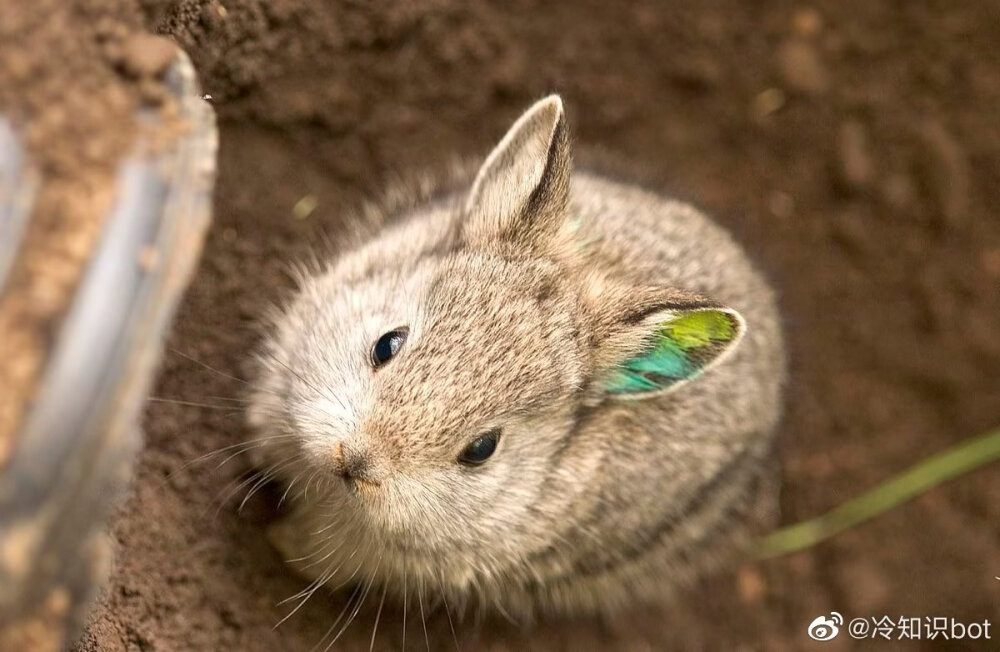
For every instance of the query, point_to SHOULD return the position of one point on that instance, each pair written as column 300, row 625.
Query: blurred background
column 852, row 147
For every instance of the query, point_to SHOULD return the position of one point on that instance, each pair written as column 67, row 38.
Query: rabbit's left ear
column 521, row 191
column 667, row 348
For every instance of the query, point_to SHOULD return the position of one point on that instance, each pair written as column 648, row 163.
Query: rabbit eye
column 481, row 449
column 388, row 346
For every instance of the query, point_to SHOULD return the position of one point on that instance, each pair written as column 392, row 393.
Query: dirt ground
column 852, row 146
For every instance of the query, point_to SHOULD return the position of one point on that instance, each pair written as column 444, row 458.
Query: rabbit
column 549, row 393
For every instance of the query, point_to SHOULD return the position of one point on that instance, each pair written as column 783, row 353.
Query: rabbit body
column 613, row 353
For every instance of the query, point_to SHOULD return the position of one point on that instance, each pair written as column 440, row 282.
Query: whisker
column 350, row 601
column 266, row 474
column 499, row 607
column 326, row 527
column 305, row 381
column 305, row 594
column 423, row 618
column 320, row 581
column 313, row 554
column 357, row 598
column 207, row 366
column 354, row 613
column 223, row 496
column 351, row 576
column 233, row 456
column 447, row 612
column 241, row 401
column 245, row 447
column 289, row 488
column 240, row 448
column 267, row 477
column 403, row 646
column 174, row 401
column 324, row 557
column 308, row 591
column 378, row 614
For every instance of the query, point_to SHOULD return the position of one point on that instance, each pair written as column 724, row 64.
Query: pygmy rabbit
column 542, row 395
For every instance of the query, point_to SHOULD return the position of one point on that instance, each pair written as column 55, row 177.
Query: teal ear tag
column 680, row 348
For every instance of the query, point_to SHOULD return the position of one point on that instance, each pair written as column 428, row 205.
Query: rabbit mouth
column 361, row 485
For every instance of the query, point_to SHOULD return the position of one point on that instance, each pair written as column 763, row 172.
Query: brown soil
column 72, row 76
column 854, row 150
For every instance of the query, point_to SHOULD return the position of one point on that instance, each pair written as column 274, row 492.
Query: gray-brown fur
column 520, row 297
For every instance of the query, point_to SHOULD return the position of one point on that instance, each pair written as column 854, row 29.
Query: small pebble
column 751, row 585
column 767, row 102
column 304, row 207
column 781, row 204
column 946, row 174
column 854, row 162
column 898, row 192
column 807, row 22
column 802, row 69
column 990, row 262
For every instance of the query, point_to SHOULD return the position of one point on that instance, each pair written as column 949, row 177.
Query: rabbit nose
column 353, row 464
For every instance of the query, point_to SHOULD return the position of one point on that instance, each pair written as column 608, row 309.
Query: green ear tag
column 679, row 349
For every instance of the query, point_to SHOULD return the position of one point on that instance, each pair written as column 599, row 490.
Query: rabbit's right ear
column 650, row 340
column 521, row 191
column 679, row 346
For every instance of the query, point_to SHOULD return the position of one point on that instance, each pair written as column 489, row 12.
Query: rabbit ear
column 649, row 340
column 520, row 192
column 677, row 347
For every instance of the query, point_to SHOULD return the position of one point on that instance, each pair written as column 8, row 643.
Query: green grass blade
column 895, row 491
